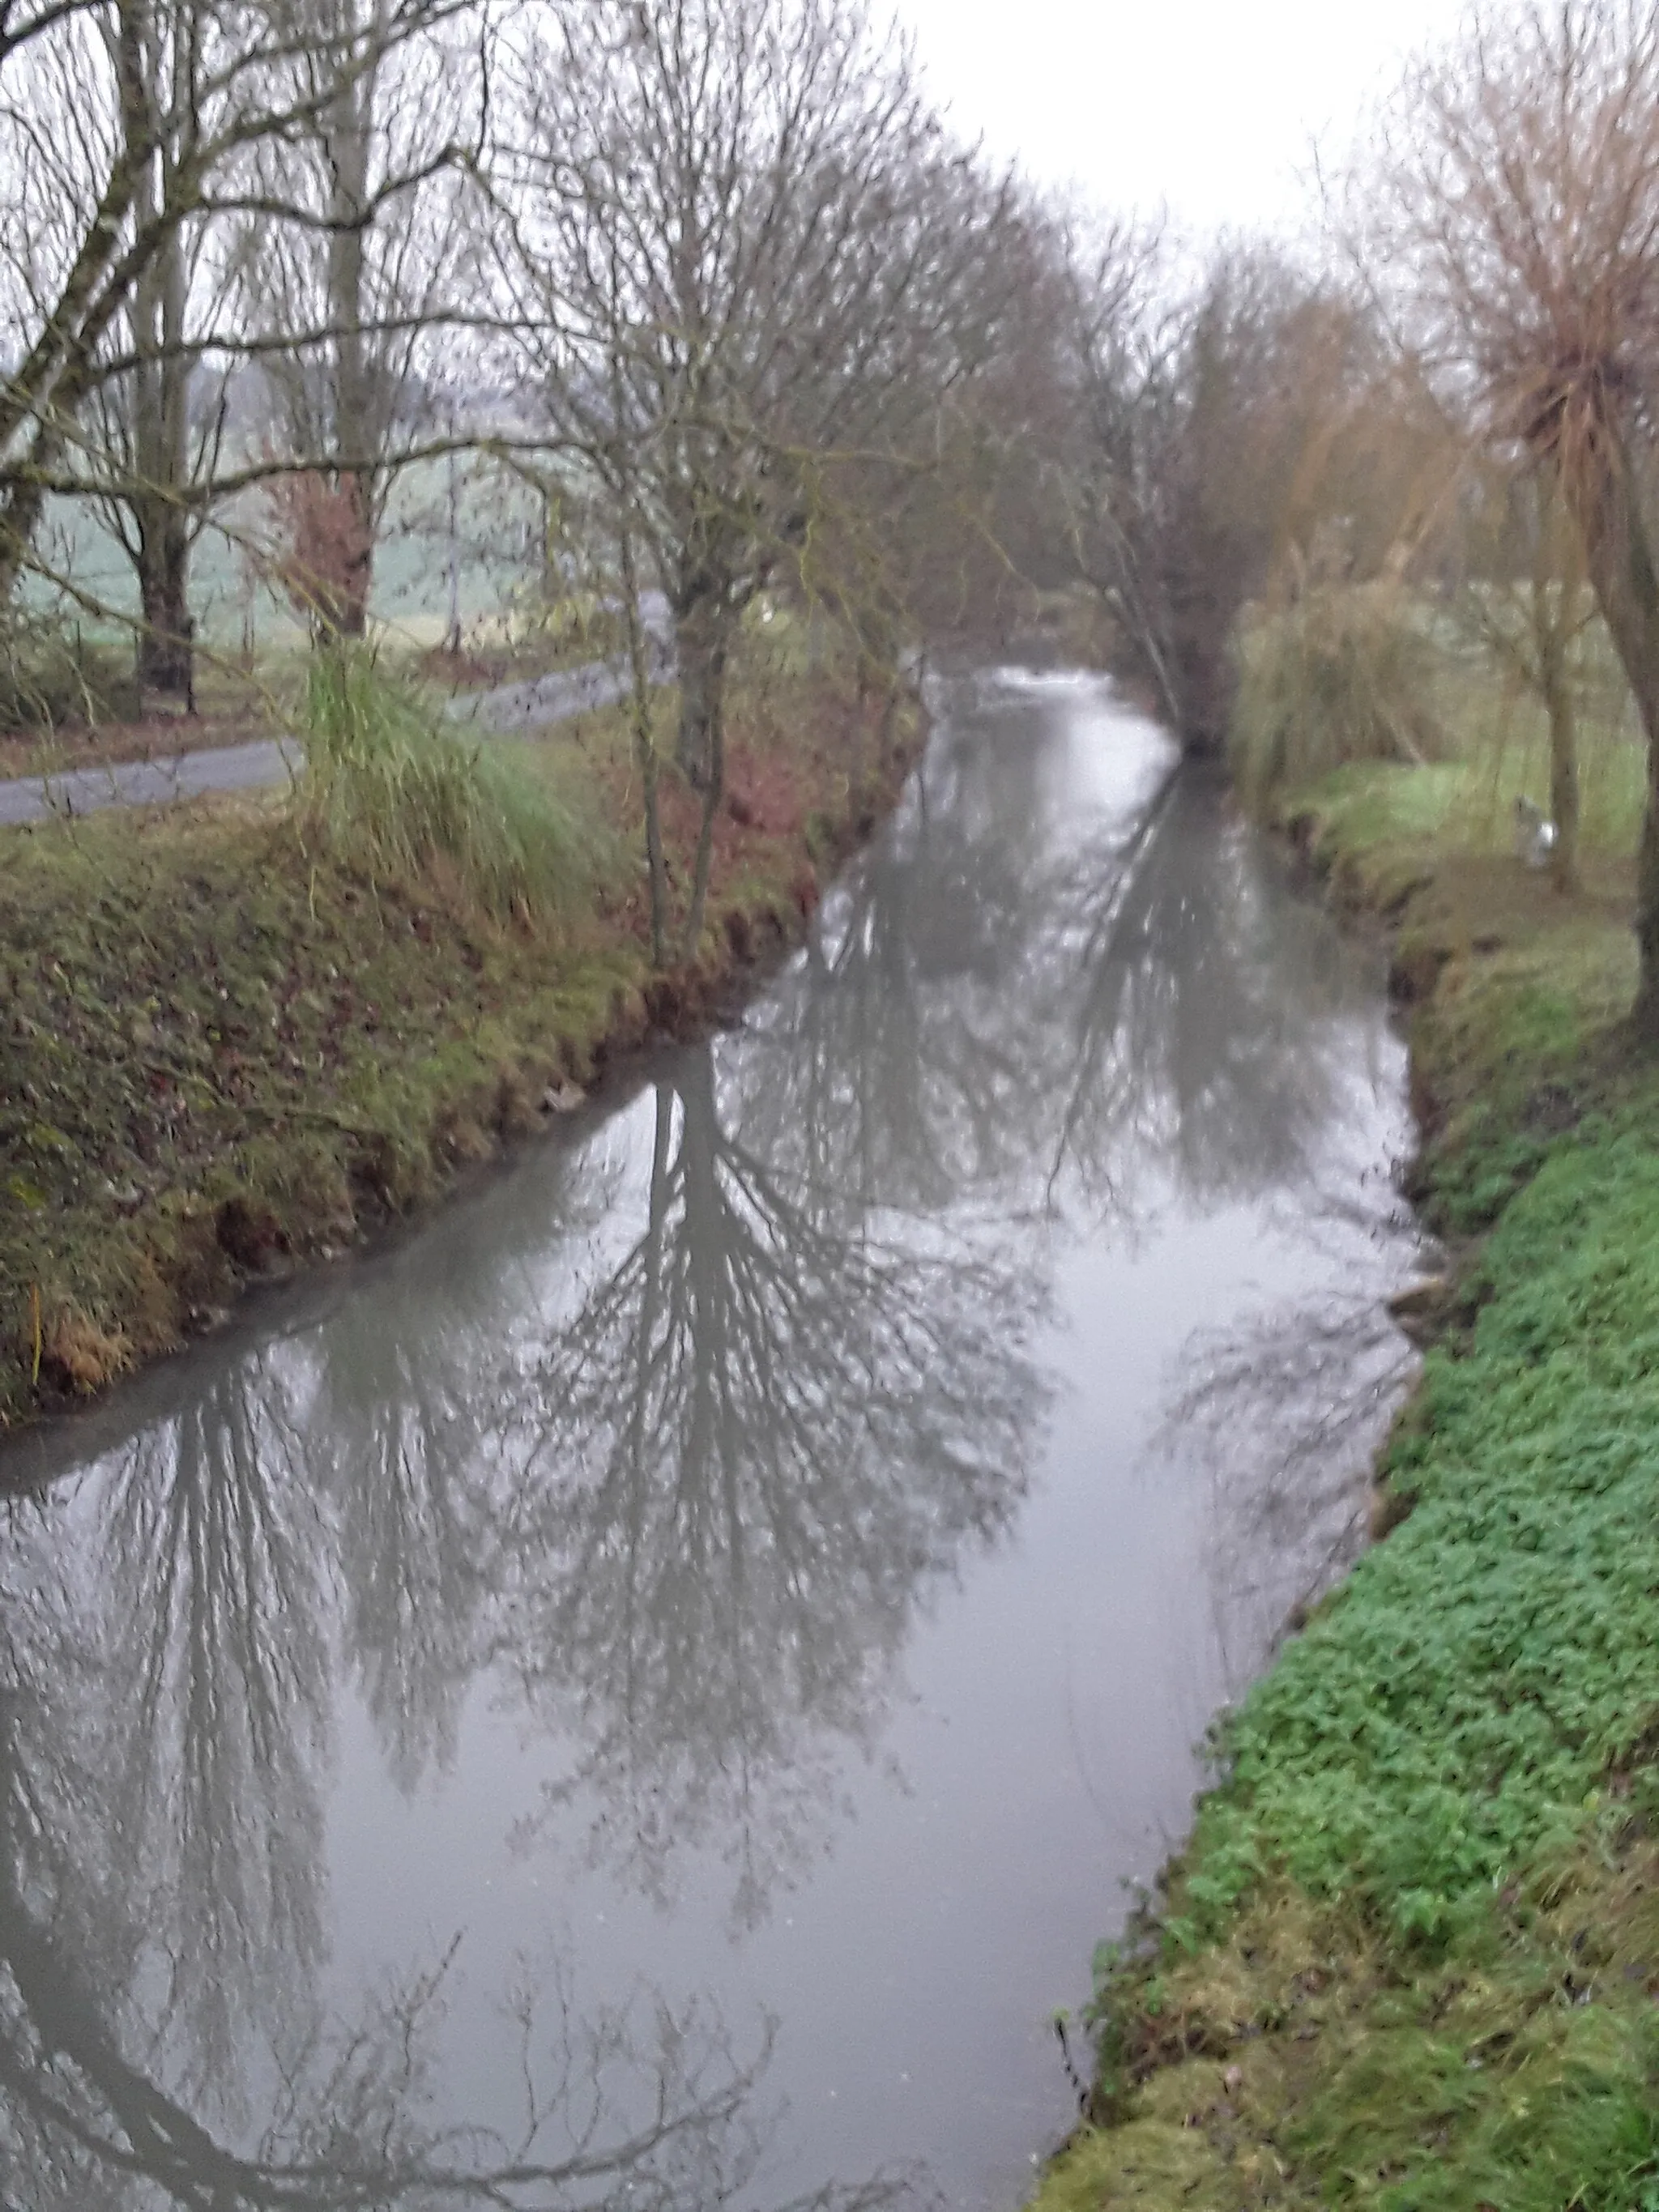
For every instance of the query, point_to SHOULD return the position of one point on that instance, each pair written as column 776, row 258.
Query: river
column 644, row 1692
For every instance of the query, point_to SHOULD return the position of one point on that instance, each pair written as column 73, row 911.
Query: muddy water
column 645, row 1694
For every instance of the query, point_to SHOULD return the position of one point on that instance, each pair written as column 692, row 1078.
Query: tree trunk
column 348, row 129
column 1555, row 591
column 700, row 868
column 159, row 398
column 452, row 626
column 20, row 518
column 1564, row 785
column 1604, row 504
column 702, row 739
column 1205, row 591
column 53, row 377
column 358, row 569
column 703, row 625
column 645, row 749
column 165, row 642
column 702, row 640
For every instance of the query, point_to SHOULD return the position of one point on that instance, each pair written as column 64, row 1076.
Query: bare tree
column 1523, row 176
column 167, row 102
column 747, row 248
column 1116, row 343
column 1214, row 433
column 154, row 428
column 343, row 273
column 1521, row 597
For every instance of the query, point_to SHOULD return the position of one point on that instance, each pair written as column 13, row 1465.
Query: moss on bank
column 1410, row 1956
column 222, row 1055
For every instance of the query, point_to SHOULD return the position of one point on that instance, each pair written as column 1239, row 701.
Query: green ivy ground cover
column 1410, row 1956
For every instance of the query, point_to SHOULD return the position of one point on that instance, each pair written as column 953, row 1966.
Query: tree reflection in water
column 1285, row 1410
column 643, row 2105
column 911, row 1060
column 165, row 1713
column 764, row 1436
column 403, row 1436
column 1201, row 1009
column 216, row 1673
column 684, row 1502
column 1017, row 997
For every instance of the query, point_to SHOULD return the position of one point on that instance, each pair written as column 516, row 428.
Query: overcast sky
column 1206, row 107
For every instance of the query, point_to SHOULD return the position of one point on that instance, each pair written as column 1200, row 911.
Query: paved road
column 529, row 706
column 150, row 783
column 557, row 697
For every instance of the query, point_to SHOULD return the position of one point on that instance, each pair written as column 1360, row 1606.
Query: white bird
column 1535, row 835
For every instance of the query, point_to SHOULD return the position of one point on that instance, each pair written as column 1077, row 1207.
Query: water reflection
column 405, row 1437
column 664, row 1448
column 908, row 1061
column 147, row 1777
column 770, row 1427
column 1020, row 995
column 1194, row 1018
column 1285, row 1411
column 215, row 1670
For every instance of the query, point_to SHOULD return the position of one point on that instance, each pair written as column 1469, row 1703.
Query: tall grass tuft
column 393, row 791
column 1342, row 674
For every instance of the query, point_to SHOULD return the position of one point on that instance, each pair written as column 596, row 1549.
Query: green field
column 498, row 535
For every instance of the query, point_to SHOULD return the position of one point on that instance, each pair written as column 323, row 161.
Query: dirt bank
column 223, row 1059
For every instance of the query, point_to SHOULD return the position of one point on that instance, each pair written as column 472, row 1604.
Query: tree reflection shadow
column 1201, row 1014
column 640, row 2103
column 1284, row 1413
column 763, row 1438
column 402, row 1438
column 217, row 1671
column 1017, row 1000
column 898, row 1064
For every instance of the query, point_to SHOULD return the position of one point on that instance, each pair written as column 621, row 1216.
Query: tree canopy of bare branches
column 128, row 130
column 1215, row 428
column 746, row 251
column 1522, row 193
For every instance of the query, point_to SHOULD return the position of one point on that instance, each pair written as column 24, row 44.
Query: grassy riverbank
column 1410, row 1956
column 226, row 1052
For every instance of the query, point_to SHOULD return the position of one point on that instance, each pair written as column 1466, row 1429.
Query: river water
column 644, row 1693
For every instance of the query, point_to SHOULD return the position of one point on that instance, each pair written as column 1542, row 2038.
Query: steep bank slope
column 1410, row 1958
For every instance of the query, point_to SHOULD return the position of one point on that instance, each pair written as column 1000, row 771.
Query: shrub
column 1343, row 674
column 50, row 676
column 395, row 793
